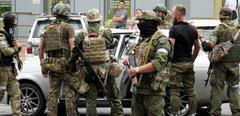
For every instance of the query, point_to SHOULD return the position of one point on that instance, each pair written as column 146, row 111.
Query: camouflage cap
column 149, row 15
column 93, row 15
column 61, row 9
column 160, row 7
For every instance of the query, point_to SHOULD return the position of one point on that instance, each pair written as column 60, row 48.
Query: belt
column 184, row 59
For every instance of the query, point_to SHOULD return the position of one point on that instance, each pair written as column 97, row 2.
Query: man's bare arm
column 196, row 49
column 41, row 49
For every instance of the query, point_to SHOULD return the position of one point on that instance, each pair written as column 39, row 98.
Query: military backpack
column 54, row 37
column 55, row 43
column 219, row 51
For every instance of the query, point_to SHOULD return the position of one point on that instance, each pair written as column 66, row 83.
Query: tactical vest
column 94, row 48
column 234, row 52
column 145, row 51
column 5, row 60
column 54, row 38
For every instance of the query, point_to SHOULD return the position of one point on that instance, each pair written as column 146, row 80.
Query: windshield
column 42, row 24
column 206, row 31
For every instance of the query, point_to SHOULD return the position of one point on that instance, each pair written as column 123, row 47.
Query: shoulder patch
column 162, row 51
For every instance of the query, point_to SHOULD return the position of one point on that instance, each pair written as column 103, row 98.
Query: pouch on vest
column 58, row 65
column 161, row 80
column 115, row 67
column 219, row 51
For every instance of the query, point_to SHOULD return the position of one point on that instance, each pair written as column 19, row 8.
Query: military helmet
column 227, row 13
column 93, row 15
column 160, row 7
column 61, row 9
column 149, row 15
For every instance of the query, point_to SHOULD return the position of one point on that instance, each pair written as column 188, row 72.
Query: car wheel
column 184, row 107
column 33, row 102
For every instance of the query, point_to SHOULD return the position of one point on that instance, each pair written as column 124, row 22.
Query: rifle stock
column 94, row 76
column 210, row 67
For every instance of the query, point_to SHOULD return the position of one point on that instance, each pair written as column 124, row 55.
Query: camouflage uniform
column 165, row 22
column 93, row 18
column 8, row 73
column 58, row 78
column 8, row 78
column 148, row 96
column 226, row 70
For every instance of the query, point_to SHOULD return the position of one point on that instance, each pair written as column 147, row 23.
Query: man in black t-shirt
column 183, row 36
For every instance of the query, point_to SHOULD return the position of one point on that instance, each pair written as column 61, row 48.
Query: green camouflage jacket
column 159, row 54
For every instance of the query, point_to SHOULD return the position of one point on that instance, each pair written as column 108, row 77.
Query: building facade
column 26, row 11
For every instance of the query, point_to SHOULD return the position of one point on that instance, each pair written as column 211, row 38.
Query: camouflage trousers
column 182, row 76
column 9, row 81
column 56, row 80
column 229, row 73
column 113, row 92
column 147, row 105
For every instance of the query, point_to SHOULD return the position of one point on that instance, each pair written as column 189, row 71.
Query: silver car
column 35, row 87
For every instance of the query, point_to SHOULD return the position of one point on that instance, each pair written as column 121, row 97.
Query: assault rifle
column 94, row 76
column 210, row 67
column 132, row 64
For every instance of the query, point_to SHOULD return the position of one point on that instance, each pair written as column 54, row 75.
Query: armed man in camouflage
column 9, row 49
column 95, row 44
column 161, row 12
column 57, row 40
column 152, row 53
column 183, row 36
column 226, row 70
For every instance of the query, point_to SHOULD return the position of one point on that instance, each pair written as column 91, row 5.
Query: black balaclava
column 8, row 21
column 148, row 27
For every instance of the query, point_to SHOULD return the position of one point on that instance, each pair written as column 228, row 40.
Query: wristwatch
column 137, row 69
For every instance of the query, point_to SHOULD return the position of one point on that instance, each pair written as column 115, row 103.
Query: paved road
column 5, row 110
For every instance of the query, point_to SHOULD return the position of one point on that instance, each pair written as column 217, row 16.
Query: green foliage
column 4, row 9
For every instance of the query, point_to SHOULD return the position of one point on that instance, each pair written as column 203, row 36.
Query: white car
column 35, row 87
column 200, row 67
column 78, row 23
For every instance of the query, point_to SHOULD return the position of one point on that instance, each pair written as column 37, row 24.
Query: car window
column 113, row 50
column 39, row 28
column 127, row 46
column 77, row 25
column 42, row 24
column 206, row 31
